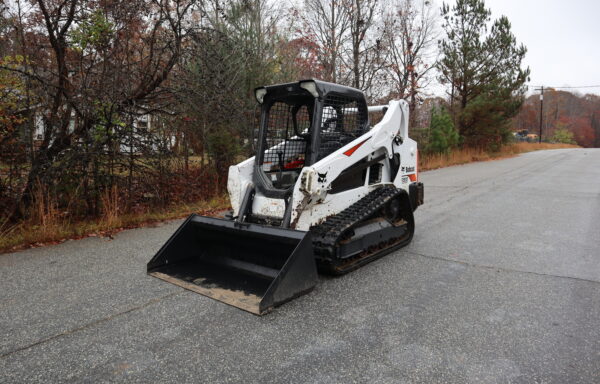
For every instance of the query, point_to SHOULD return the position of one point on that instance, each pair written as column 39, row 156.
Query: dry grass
column 469, row 155
column 110, row 207
column 45, row 213
column 55, row 230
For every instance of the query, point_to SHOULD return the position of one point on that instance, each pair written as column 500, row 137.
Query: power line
column 581, row 86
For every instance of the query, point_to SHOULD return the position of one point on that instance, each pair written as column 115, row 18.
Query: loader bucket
column 249, row 266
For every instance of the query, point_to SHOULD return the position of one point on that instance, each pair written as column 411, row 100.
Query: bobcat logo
column 322, row 177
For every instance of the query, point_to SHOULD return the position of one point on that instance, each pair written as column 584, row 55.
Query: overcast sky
column 562, row 39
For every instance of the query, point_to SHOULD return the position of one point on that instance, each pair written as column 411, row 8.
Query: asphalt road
column 500, row 285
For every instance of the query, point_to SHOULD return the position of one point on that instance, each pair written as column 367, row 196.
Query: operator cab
column 288, row 140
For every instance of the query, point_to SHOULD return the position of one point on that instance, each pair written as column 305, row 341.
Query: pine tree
column 444, row 135
column 483, row 69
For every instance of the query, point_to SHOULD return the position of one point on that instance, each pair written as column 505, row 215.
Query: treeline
column 143, row 103
column 566, row 117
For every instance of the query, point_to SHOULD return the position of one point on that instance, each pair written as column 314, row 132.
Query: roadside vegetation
column 469, row 155
column 116, row 114
column 50, row 226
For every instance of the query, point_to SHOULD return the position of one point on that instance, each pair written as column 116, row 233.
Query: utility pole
column 541, row 89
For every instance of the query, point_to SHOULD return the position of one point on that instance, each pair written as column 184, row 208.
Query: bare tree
column 327, row 23
column 94, row 64
column 411, row 38
column 348, row 34
column 363, row 50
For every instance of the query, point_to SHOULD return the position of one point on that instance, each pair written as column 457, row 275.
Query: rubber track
column 327, row 234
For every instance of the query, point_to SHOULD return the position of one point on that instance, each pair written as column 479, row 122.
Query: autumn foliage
column 562, row 110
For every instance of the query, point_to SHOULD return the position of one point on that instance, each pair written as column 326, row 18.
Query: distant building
column 32, row 130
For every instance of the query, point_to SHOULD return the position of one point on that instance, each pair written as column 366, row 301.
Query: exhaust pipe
column 249, row 266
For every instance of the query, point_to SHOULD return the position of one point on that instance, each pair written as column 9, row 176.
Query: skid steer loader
column 324, row 192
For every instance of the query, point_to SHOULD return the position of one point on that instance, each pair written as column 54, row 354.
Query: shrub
column 563, row 136
column 444, row 135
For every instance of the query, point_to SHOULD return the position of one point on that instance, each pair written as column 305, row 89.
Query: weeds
column 45, row 218
column 110, row 207
column 28, row 234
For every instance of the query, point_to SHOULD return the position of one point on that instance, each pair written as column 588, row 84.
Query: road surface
column 501, row 284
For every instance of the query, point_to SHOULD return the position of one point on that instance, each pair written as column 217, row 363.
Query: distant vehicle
column 520, row 135
column 524, row 135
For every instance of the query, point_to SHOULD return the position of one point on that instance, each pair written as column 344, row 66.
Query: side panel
column 240, row 175
column 311, row 198
column 408, row 172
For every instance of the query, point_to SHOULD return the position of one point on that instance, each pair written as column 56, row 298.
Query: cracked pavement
column 501, row 284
